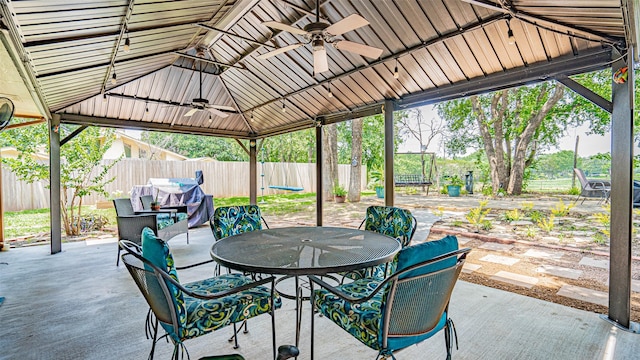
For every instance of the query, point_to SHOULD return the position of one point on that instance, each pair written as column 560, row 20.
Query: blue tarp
column 176, row 192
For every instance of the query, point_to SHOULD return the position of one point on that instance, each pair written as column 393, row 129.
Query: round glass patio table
column 304, row 250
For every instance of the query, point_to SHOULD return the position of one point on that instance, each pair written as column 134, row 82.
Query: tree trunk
column 356, row 160
column 516, row 176
column 330, row 148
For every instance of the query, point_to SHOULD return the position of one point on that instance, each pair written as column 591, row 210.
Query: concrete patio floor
column 79, row 305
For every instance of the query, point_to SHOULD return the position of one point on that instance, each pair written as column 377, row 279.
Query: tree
column 330, row 150
column 356, row 160
column 416, row 126
column 513, row 125
column 81, row 169
column 194, row 146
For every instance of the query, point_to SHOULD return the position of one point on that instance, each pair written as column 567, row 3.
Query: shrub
column 536, row 216
column 546, row 224
column 476, row 216
column 512, row 215
column 561, row 209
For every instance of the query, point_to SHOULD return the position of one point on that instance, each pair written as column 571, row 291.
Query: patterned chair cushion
column 363, row 321
column 390, row 221
column 204, row 316
column 233, row 220
column 182, row 216
column 163, row 221
column 158, row 253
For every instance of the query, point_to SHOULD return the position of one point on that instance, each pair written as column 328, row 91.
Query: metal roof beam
column 408, row 51
column 197, row 58
column 250, row 41
column 516, row 77
column 159, row 101
column 73, row 134
column 101, row 65
column 586, row 93
column 140, row 125
column 532, row 19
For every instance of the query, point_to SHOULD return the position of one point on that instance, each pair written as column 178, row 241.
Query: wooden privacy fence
column 221, row 179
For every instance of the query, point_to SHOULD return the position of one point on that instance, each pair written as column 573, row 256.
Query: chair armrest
column 337, row 292
column 219, row 294
column 194, row 265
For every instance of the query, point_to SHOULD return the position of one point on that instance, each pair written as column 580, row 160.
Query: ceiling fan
column 201, row 103
column 319, row 33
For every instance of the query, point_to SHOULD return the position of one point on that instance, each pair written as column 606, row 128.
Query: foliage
column 92, row 222
column 195, row 146
column 476, row 216
column 535, row 215
column 439, row 211
column 81, row 171
column 604, row 219
column 574, row 191
column 512, row 215
column 546, row 224
column 560, row 209
column 455, row 180
column 338, row 190
column 513, row 125
column 530, row 232
column 377, row 177
column 527, row 206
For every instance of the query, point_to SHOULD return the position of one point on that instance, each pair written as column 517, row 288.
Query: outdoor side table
column 296, row 251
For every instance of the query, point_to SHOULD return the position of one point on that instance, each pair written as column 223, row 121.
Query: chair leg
column 155, row 336
column 450, row 333
column 118, row 256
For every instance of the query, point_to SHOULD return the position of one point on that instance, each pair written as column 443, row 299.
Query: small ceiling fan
column 319, row 33
column 201, row 103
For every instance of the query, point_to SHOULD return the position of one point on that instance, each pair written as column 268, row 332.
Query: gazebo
column 250, row 69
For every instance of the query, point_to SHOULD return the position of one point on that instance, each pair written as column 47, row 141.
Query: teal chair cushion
column 233, row 220
column 158, row 253
column 207, row 315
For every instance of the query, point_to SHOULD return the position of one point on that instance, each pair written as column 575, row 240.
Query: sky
column 587, row 146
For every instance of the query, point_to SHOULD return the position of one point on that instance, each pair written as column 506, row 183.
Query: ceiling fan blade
column 191, row 112
column 284, row 27
column 222, row 107
column 320, row 62
column 347, row 24
column 278, row 51
column 361, row 49
column 217, row 112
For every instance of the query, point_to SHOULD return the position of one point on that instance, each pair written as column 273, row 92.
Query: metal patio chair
column 190, row 310
column 130, row 224
column 592, row 188
column 406, row 308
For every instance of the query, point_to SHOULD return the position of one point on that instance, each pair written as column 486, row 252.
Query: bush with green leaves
column 82, row 171
column 561, row 209
column 476, row 216
column 547, row 224
column 512, row 215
